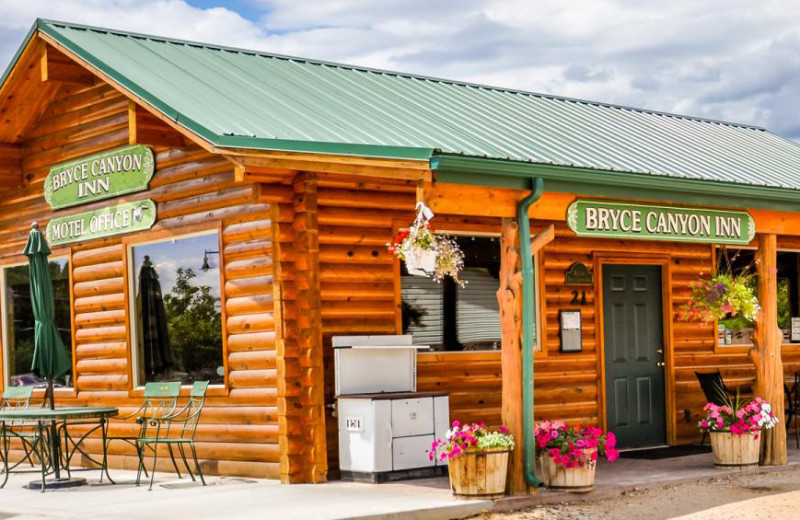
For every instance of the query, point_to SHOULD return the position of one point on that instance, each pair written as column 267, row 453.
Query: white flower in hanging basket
column 426, row 253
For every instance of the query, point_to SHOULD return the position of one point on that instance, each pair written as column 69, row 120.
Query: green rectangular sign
column 599, row 218
column 98, row 177
column 103, row 222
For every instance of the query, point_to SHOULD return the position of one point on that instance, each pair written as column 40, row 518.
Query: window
column 18, row 322
column 737, row 330
column 176, row 310
column 448, row 317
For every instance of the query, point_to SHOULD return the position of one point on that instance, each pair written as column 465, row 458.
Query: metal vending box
column 385, row 427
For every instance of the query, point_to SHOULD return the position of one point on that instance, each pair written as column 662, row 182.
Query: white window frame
column 4, row 325
column 131, row 285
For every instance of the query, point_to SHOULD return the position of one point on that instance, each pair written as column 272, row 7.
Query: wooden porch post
column 509, row 296
column 299, row 352
column 766, row 352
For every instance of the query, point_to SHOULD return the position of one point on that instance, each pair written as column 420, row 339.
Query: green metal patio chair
column 178, row 429
column 19, row 397
column 160, row 401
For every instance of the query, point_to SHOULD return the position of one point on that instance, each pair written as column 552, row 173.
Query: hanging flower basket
column 421, row 262
column 425, row 252
column 722, row 297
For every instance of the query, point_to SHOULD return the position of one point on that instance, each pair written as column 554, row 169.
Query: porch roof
column 237, row 98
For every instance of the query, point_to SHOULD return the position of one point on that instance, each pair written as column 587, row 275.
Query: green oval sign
column 98, row 177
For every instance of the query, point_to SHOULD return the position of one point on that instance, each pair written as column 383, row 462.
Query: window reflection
column 18, row 321
column 448, row 317
column 736, row 330
column 178, row 316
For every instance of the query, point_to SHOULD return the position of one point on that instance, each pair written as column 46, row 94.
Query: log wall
column 356, row 220
column 193, row 190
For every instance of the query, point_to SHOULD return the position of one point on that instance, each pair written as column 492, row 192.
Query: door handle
column 660, row 351
column 660, row 364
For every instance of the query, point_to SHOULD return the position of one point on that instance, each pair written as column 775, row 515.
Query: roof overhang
column 604, row 183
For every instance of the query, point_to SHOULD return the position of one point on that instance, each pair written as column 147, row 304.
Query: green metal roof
column 246, row 99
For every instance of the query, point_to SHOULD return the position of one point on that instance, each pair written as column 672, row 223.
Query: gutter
column 528, row 329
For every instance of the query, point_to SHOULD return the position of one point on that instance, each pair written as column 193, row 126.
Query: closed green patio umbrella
column 50, row 359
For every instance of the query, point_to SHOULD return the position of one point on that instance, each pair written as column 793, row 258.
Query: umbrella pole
column 54, row 444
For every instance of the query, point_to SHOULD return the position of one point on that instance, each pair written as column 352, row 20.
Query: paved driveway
column 785, row 506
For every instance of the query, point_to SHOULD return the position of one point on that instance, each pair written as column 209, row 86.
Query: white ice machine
column 386, row 427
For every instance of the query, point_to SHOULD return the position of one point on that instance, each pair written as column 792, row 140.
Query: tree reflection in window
column 178, row 311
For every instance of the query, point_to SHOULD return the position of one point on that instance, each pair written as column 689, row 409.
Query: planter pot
column 576, row 480
column 479, row 474
column 735, row 451
column 421, row 262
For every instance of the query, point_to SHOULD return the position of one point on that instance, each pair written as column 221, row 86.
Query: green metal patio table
column 96, row 417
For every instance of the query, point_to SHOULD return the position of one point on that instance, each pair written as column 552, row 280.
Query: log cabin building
column 260, row 191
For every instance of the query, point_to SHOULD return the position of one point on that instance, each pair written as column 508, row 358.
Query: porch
column 261, row 498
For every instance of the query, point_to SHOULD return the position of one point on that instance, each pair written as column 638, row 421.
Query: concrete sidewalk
column 236, row 498
column 233, row 498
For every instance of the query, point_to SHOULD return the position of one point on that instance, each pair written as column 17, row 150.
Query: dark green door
column 634, row 342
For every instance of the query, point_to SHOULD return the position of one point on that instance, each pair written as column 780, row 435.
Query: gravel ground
column 746, row 495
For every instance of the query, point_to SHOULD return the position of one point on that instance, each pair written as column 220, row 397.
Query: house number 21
column 578, row 298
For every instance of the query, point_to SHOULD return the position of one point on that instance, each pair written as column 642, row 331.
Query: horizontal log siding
column 357, row 279
column 238, row 434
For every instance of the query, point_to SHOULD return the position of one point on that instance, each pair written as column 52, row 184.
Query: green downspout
column 528, row 328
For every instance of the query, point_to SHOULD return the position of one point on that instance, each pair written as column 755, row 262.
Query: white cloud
column 173, row 18
column 735, row 60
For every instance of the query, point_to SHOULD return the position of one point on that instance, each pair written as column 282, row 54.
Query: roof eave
column 614, row 184
column 15, row 58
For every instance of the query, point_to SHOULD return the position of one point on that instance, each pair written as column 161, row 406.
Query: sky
column 734, row 60
column 167, row 255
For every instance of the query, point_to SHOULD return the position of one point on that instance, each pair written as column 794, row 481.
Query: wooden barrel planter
column 556, row 476
column 479, row 474
column 735, row 451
